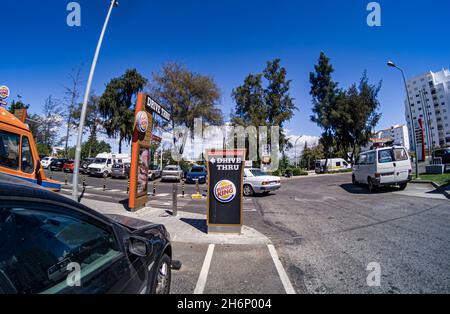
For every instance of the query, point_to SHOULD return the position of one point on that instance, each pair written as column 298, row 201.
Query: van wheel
column 371, row 186
column 248, row 190
column 403, row 186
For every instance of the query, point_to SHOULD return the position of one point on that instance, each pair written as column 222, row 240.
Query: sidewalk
column 185, row 228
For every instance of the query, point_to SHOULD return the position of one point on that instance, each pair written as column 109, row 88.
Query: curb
column 436, row 186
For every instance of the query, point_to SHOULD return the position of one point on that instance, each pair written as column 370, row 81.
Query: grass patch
column 440, row 179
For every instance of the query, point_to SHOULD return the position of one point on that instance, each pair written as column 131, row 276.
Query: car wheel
column 403, row 186
column 162, row 277
column 248, row 190
column 371, row 186
column 152, row 177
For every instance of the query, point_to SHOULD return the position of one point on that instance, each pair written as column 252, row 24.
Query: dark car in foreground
column 58, row 164
column 197, row 173
column 51, row 244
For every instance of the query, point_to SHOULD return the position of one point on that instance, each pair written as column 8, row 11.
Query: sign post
column 225, row 190
column 140, row 149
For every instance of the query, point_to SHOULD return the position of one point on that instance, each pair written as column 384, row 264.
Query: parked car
column 58, row 164
column 69, row 166
column 45, row 237
column 383, row 167
column 154, row 172
column 84, row 164
column 102, row 165
column 443, row 153
column 46, row 161
column 121, row 171
column 172, row 173
column 333, row 165
column 197, row 173
column 257, row 182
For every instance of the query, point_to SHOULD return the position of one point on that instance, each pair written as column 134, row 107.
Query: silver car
column 172, row 173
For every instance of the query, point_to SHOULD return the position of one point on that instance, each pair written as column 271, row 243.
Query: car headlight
column 265, row 183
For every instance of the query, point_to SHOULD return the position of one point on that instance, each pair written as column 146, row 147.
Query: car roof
column 18, row 189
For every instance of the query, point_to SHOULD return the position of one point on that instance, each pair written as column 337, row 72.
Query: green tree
column 325, row 94
column 90, row 148
column 187, row 96
column 116, row 105
column 51, row 122
column 310, row 155
column 19, row 104
column 356, row 116
column 268, row 106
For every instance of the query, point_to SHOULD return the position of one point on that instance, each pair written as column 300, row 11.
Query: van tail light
column 377, row 175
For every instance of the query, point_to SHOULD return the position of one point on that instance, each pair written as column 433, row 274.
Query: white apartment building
column 430, row 101
column 397, row 133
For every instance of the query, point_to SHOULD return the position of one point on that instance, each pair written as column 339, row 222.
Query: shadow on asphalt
column 362, row 190
column 199, row 224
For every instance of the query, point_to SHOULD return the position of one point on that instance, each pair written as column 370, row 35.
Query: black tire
column 248, row 190
column 403, row 186
column 371, row 186
column 152, row 177
column 161, row 276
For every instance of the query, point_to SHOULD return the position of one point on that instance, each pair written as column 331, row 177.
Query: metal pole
column 295, row 151
column 85, row 101
column 412, row 122
column 174, row 199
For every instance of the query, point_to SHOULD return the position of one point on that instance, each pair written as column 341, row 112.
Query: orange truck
column 18, row 153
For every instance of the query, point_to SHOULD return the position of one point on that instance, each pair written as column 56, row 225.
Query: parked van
column 333, row 165
column 386, row 166
column 18, row 153
column 102, row 165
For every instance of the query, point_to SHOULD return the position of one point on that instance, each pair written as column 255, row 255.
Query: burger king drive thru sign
column 225, row 190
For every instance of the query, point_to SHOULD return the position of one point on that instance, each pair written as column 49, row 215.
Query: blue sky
column 226, row 40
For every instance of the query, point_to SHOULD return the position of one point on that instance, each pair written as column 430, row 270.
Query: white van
column 102, row 165
column 333, row 165
column 383, row 167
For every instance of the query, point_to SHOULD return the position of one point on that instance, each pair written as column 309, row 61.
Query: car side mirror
column 139, row 247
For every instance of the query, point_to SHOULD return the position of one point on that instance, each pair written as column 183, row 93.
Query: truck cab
column 18, row 153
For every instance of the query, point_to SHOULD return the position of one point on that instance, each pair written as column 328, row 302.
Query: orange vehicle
column 18, row 153
column 69, row 166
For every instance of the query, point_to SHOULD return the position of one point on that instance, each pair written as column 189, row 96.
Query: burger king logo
column 142, row 121
column 225, row 191
column 4, row 92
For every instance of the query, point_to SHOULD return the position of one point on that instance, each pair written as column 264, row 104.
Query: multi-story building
column 430, row 102
column 397, row 133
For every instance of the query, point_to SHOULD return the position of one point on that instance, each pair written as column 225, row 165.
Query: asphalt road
column 327, row 232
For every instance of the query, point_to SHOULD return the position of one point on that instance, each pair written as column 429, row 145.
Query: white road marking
column 201, row 282
column 281, row 272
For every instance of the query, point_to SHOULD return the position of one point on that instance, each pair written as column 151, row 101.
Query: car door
column 386, row 166
column 361, row 169
column 402, row 164
column 49, row 249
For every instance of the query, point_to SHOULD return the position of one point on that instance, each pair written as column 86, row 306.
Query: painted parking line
column 201, row 282
column 280, row 269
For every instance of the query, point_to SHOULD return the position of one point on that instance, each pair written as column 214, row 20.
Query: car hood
column 130, row 222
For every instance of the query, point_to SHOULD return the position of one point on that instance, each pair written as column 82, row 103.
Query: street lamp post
column 393, row 65
column 114, row 3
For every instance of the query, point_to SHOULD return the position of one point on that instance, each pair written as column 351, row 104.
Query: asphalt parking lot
column 326, row 233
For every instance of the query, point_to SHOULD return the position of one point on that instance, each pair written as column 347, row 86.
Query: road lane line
column 280, row 269
column 201, row 282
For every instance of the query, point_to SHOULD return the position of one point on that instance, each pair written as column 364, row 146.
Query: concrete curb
column 437, row 187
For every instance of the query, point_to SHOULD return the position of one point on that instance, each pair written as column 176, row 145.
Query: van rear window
column 9, row 150
column 385, row 156
column 400, row 154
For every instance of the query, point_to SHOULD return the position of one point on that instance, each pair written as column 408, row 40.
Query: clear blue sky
column 227, row 40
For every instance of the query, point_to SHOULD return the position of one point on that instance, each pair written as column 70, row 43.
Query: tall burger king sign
column 225, row 190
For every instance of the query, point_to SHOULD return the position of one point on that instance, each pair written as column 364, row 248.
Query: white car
column 172, row 172
column 46, row 161
column 383, row 167
column 256, row 182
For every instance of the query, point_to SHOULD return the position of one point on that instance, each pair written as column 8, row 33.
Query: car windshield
column 154, row 167
column 198, row 169
column 117, row 166
column 69, row 162
column 99, row 160
column 258, row 173
column 171, row 168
